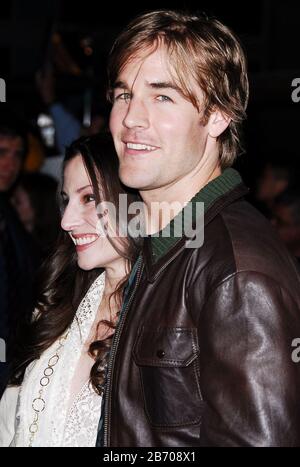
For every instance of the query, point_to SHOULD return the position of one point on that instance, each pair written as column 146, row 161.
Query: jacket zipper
column 116, row 340
column 107, row 396
column 164, row 266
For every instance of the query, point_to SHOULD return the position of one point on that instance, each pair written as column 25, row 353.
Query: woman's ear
column 217, row 123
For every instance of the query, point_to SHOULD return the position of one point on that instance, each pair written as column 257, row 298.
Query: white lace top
column 57, row 424
column 83, row 418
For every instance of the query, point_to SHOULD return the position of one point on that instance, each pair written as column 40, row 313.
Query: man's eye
column 124, row 96
column 163, row 98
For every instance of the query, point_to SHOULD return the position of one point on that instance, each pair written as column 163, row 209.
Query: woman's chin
column 86, row 265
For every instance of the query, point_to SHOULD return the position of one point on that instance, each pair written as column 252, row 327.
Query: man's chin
column 137, row 181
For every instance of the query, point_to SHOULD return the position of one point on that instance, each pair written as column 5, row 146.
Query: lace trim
column 83, row 419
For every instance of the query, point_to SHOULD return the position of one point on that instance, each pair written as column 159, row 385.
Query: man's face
column 11, row 152
column 157, row 132
column 269, row 185
column 287, row 228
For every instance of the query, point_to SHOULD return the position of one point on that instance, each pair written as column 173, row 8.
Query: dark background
column 268, row 29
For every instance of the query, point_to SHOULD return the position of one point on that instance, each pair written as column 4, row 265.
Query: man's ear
column 217, row 123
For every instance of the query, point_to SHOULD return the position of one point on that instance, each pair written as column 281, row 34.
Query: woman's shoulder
column 8, row 406
column 10, row 394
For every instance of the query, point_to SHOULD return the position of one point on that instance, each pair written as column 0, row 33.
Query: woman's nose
column 71, row 218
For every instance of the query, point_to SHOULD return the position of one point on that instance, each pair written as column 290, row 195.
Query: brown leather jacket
column 202, row 354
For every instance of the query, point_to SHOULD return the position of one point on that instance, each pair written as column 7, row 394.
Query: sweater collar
column 164, row 240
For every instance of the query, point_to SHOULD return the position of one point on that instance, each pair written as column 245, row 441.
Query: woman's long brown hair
column 62, row 284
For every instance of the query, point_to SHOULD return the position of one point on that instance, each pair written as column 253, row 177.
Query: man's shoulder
column 252, row 237
column 241, row 239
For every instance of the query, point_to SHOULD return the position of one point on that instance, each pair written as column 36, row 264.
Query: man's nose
column 137, row 115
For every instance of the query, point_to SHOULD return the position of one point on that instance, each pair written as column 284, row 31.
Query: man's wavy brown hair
column 62, row 284
column 201, row 50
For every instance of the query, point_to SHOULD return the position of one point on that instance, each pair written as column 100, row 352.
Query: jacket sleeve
column 8, row 406
column 249, row 382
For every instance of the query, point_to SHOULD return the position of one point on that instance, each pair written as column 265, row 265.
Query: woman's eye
column 89, row 198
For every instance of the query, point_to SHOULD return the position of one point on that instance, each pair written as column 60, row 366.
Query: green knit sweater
column 229, row 179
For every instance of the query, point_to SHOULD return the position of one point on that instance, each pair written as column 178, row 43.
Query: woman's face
column 24, row 208
column 80, row 219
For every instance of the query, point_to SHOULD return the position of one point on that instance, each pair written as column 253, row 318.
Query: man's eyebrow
column 119, row 85
column 165, row 85
column 155, row 85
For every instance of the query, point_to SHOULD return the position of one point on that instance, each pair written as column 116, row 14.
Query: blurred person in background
column 66, row 124
column 35, row 200
column 286, row 219
column 18, row 254
column 277, row 175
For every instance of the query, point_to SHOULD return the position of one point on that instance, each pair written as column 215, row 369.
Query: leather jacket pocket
column 168, row 364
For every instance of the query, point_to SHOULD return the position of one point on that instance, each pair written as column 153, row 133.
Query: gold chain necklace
column 38, row 403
